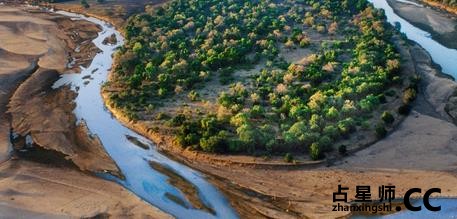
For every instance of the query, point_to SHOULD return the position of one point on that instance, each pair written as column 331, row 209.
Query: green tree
column 85, row 4
column 315, row 151
column 387, row 117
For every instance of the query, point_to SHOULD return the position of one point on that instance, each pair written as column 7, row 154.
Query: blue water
column 441, row 55
column 447, row 59
column 133, row 161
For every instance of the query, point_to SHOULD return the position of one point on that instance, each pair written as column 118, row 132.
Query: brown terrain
column 35, row 48
column 115, row 12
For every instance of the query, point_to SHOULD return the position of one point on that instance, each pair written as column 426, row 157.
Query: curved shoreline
column 340, row 172
column 44, row 188
column 148, row 183
column 436, row 79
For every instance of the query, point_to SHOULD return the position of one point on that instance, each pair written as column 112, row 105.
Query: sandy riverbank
column 440, row 6
column 441, row 25
column 35, row 48
column 34, row 190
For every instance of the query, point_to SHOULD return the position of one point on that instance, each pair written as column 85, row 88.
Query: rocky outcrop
column 110, row 40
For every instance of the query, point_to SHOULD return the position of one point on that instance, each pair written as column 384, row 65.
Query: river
column 441, row 55
column 133, row 161
column 446, row 58
column 147, row 183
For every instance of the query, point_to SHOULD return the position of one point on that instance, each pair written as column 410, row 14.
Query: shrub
column 315, row 151
column 193, row 95
column 332, row 113
column 346, row 126
column 381, row 131
column 257, row 111
column 177, row 120
column 288, row 158
column 216, row 143
column 409, row 95
column 162, row 116
column 365, row 124
column 236, row 145
column 84, row 3
column 325, row 143
column 404, row 109
column 387, row 117
column 331, row 131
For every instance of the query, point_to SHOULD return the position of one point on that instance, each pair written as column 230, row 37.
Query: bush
column 365, row 124
column 177, row 120
column 325, row 143
column 161, row 116
column 409, row 95
column 236, row 145
column 315, row 151
column 257, row 111
column 84, row 3
column 381, row 131
column 404, row 109
column 331, row 131
column 288, row 158
column 346, row 126
column 387, row 117
column 193, row 95
column 216, row 143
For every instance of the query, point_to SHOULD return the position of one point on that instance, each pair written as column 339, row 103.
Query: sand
column 442, row 25
column 33, row 190
column 35, row 48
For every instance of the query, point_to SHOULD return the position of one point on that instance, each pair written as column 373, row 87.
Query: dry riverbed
column 35, row 48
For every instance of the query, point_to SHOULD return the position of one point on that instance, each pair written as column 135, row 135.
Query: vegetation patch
column 270, row 77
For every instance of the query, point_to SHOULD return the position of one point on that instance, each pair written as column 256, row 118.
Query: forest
column 284, row 108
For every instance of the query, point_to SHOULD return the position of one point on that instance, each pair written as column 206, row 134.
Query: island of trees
column 223, row 76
